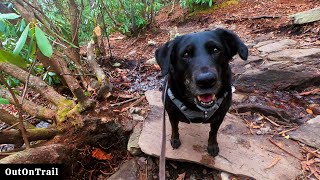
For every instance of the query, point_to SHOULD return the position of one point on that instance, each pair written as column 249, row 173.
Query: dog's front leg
column 213, row 148
column 175, row 141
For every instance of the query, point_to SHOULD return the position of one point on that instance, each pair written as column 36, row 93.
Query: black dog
column 199, row 79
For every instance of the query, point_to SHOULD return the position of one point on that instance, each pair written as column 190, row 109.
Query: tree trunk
column 13, row 136
column 75, row 21
column 51, row 154
column 30, row 107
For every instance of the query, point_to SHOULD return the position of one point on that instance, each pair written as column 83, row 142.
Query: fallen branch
column 30, row 107
column 265, row 110
column 274, row 143
column 50, row 154
column 253, row 18
column 105, row 86
column 35, row 83
column 11, row 120
column 123, row 102
column 133, row 104
column 13, row 136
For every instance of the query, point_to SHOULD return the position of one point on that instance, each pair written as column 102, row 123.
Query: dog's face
column 199, row 62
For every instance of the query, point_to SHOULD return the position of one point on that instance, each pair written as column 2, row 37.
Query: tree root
column 265, row 110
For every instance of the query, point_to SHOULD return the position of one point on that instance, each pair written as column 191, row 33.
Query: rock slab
column 307, row 133
column 241, row 153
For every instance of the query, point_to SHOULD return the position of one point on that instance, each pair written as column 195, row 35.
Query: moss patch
column 63, row 109
column 204, row 9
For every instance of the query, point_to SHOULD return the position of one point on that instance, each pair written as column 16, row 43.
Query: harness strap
column 201, row 113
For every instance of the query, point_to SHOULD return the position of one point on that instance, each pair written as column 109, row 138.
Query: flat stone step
column 241, row 153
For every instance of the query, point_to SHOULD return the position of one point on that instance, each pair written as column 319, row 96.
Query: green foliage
column 21, row 41
column 43, row 42
column 10, row 57
column 9, row 16
column 51, row 78
column 12, row 82
column 129, row 16
column 4, row 101
column 191, row 4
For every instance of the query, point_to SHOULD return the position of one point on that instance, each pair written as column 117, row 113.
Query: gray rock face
column 127, row 171
column 133, row 146
column 308, row 133
column 288, row 68
column 306, row 16
column 241, row 154
column 267, row 47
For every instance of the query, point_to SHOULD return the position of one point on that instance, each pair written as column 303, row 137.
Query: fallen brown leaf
column 309, row 111
column 100, row 154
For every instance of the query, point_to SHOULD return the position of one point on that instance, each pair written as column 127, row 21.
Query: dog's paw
column 213, row 150
column 175, row 143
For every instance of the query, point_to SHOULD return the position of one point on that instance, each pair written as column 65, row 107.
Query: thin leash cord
column 162, row 163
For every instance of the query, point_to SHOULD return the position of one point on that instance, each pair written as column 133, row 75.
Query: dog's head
column 199, row 63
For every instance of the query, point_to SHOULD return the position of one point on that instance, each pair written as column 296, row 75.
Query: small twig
column 133, row 104
column 272, row 122
column 288, row 130
column 312, row 152
column 27, row 81
column 13, row 125
column 274, row 143
column 314, row 91
column 62, row 74
column 274, row 162
column 19, row 106
column 123, row 102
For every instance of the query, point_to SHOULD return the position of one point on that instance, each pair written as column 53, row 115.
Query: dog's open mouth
column 206, row 100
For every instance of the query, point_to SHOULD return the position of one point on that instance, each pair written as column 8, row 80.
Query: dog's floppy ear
column 234, row 43
column 163, row 57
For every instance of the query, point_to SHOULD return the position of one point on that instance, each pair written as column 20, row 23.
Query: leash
column 162, row 161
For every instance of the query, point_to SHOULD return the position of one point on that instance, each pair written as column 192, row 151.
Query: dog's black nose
column 206, row 80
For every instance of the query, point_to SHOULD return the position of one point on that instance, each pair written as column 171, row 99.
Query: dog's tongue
column 206, row 98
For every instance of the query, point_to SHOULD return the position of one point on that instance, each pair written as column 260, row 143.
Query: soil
column 131, row 77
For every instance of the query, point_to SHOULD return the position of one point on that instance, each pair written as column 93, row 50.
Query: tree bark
column 30, row 107
column 105, row 86
column 73, row 84
column 13, row 136
column 75, row 21
column 51, row 154
column 11, row 120
column 35, row 83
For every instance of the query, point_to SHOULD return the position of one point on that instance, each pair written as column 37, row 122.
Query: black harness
column 202, row 114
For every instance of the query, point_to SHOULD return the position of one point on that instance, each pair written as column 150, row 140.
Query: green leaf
column 21, row 41
column 4, row 101
column 13, row 59
column 43, row 42
column 9, row 16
